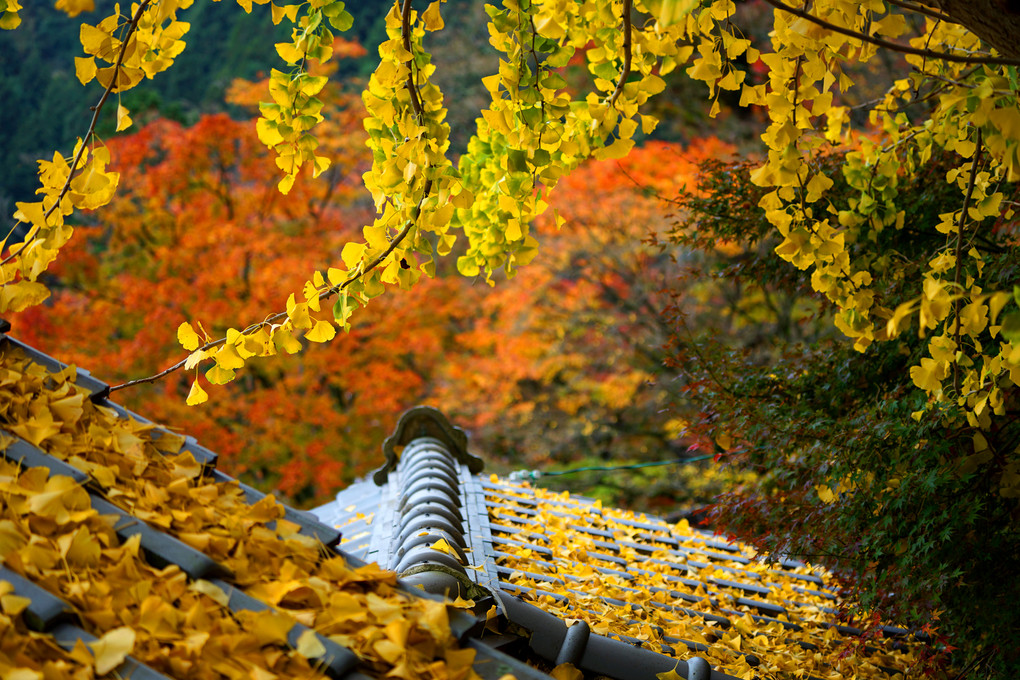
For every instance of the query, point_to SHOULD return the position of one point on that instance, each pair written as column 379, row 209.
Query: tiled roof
column 125, row 553
column 639, row 594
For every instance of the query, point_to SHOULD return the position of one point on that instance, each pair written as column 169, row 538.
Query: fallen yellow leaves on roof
column 27, row 655
column 51, row 534
column 679, row 591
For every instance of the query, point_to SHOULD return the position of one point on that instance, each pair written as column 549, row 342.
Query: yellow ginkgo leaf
column 442, row 546
column 58, row 498
column 669, row 675
column 431, row 17
column 123, row 119
column 75, row 7
column 111, row 649
column 197, row 395
column 187, row 336
column 567, row 671
column 825, row 494
column 272, row 628
column 309, row 645
column 13, row 605
column 211, row 590
column 322, row 332
column 85, row 69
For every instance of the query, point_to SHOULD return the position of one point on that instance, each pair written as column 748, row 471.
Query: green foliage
column 904, row 504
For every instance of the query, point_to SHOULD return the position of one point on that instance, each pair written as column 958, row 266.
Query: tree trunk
column 997, row 22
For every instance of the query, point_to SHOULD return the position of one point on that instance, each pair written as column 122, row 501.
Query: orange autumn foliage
column 537, row 369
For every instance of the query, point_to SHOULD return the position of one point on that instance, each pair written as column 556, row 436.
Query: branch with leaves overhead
column 535, row 130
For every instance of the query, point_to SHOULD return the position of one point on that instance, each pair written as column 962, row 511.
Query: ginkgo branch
column 405, row 30
column 90, row 133
column 889, row 44
column 959, row 252
column 627, row 55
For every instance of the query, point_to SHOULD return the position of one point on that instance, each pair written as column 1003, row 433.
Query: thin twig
column 405, row 30
column 974, row 664
column 959, row 253
column 96, row 110
column 894, row 46
column 625, row 73
column 796, row 95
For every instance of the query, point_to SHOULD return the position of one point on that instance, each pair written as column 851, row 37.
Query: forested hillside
column 45, row 107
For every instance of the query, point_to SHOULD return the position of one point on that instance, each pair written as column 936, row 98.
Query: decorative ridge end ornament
column 425, row 421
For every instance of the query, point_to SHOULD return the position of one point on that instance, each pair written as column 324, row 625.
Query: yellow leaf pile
column 27, row 655
column 669, row 587
column 51, row 534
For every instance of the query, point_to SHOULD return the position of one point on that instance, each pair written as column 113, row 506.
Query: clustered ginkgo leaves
column 973, row 347
column 532, row 133
column 588, row 577
column 535, row 130
column 24, row 653
column 51, row 534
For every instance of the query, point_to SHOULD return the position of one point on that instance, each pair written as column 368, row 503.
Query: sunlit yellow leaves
column 187, row 336
column 285, row 341
column 309, row 646
column 99, row 41
column 160, row 616
column 618, row 149
column 289, row 12
column 290, row 53
column 297, row 313
column 826, row 494
column 323, row 331
column 20, row 296
column 431, row 17
column 197, row 357
column 667, row 559
column 75, row 7
column 929, row 375
column 123, row 119
column 111, row 649
column 85, row 69
column 536, row 129
column 196, row 395
column 220, row 375
column 9, row 17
